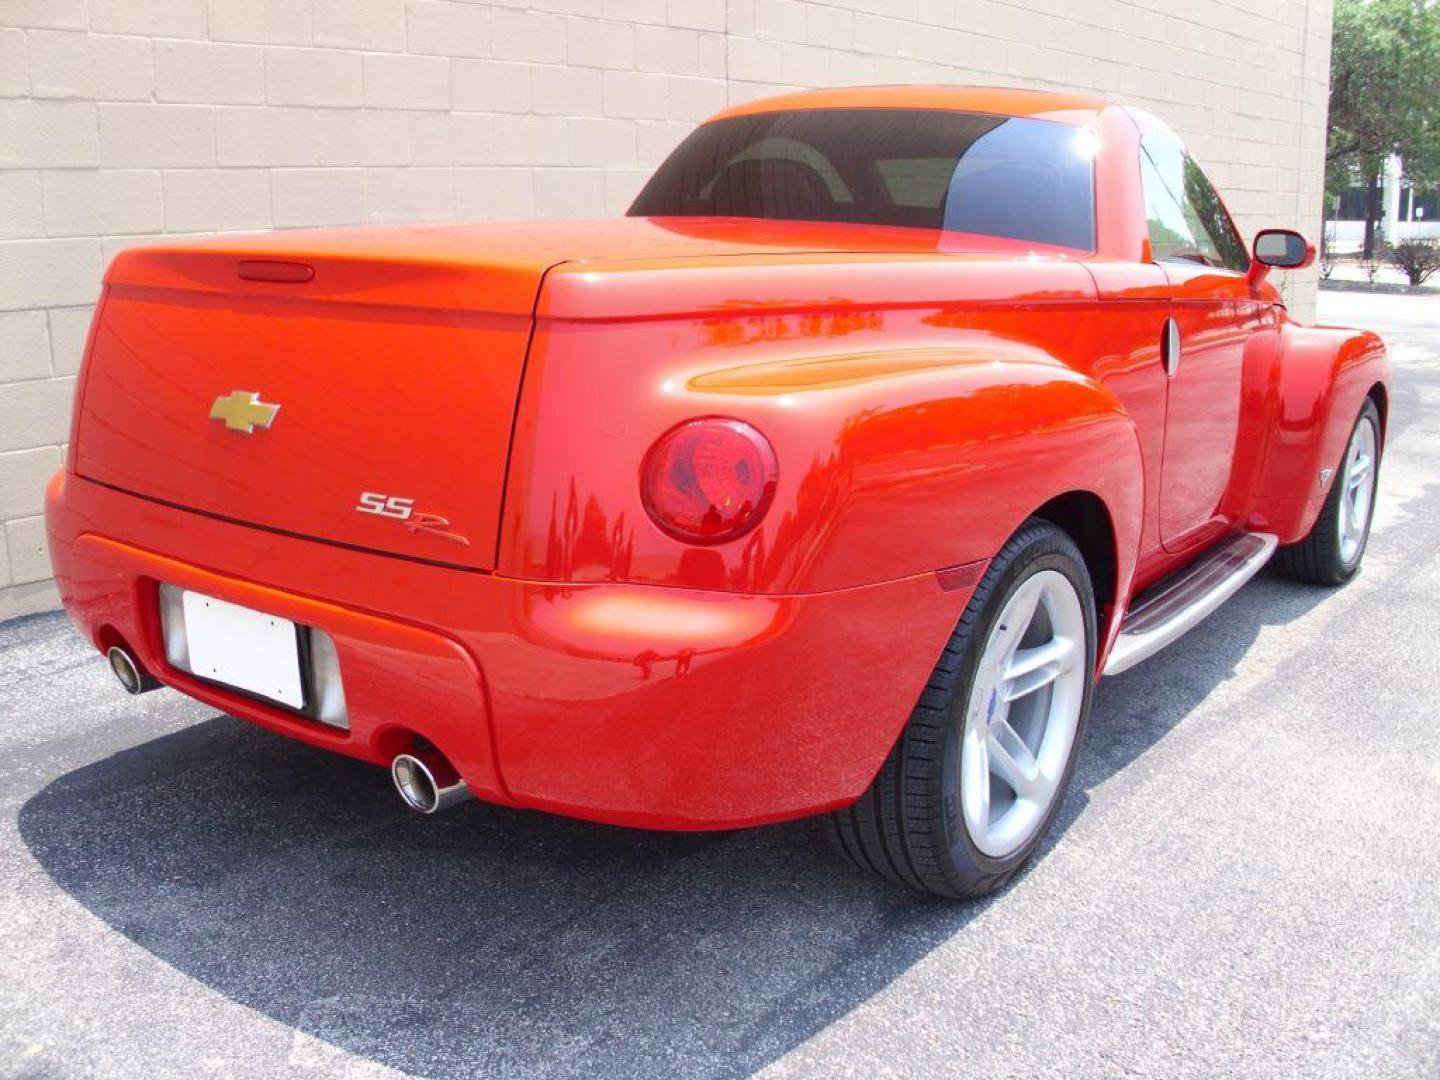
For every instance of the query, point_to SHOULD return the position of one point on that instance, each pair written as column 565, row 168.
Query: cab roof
column 1077, row 109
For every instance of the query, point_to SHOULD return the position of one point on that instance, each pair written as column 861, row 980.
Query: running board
column 1166, row 611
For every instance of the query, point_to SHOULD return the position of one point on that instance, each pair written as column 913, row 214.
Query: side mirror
column 1280, row 249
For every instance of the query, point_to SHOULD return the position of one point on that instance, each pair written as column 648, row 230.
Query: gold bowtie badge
column 243, row 411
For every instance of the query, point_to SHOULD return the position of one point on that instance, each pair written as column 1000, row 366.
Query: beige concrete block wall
column 126, row 120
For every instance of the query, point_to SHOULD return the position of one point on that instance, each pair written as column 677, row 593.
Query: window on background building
column 1421, row 206
column 1352, row 205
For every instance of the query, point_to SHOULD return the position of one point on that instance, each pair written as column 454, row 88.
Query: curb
column 1328, row 285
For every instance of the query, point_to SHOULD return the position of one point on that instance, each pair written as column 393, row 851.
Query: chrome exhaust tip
column 133, row 678
column 427, row 782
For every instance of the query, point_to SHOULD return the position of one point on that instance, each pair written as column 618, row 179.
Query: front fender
column 1321, row 378
column 897, row 455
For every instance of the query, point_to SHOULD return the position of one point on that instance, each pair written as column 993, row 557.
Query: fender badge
column 243, row 411
column 1325, row 475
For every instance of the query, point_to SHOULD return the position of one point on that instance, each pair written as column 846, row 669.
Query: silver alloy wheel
column 1357, row 492
column 1022, row 714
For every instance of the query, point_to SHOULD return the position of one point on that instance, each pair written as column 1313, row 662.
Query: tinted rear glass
column 919, row 168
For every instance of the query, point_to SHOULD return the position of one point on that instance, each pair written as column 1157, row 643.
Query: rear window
column 1000, row 176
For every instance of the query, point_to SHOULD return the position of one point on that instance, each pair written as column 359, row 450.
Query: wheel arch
column 1380, row 395
column 1086, row 519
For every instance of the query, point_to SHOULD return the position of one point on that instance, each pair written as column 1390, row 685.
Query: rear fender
column 1320, row 380
column 897, row 457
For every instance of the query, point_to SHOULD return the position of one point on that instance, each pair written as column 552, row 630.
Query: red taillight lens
column 708, row 481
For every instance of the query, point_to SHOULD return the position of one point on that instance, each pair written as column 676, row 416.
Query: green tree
column 1384, row 95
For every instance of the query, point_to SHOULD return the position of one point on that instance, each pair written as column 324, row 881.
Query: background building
column 122, row 121
column 1405, row 213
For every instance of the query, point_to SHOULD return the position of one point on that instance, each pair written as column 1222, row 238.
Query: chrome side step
column 1166, row 611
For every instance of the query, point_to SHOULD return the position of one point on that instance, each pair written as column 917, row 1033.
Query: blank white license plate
column 246, row 649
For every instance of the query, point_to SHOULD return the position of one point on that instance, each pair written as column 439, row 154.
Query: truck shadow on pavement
column 489, row 941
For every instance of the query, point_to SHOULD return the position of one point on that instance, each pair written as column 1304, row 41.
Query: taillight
column 708, row 481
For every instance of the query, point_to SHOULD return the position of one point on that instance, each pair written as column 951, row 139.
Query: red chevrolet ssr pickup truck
column 826, row 482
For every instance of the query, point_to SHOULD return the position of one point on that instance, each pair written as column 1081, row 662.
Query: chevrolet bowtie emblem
column 243, row 411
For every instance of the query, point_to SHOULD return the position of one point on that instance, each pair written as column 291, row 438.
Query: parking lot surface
column 1245, row 880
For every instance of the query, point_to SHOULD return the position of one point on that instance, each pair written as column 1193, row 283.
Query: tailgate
column 395, row 391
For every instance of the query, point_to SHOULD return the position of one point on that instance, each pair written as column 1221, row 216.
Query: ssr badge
column 401, row 509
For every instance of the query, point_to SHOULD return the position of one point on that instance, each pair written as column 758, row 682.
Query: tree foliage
column 1385, row 88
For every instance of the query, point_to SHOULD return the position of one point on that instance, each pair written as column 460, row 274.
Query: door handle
column 1170, row 347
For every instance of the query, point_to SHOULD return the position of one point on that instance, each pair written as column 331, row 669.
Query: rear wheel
column 980, row 770
column 1331, row 554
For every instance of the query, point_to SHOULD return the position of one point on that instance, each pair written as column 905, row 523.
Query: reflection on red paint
column 624, row 622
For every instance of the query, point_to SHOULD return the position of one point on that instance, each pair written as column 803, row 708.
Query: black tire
column 1317, row 559
column 908, row 826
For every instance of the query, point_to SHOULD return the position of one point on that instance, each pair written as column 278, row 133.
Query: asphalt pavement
column 1245, row 880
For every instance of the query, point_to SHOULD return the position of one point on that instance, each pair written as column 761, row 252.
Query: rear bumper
column 632, row 704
